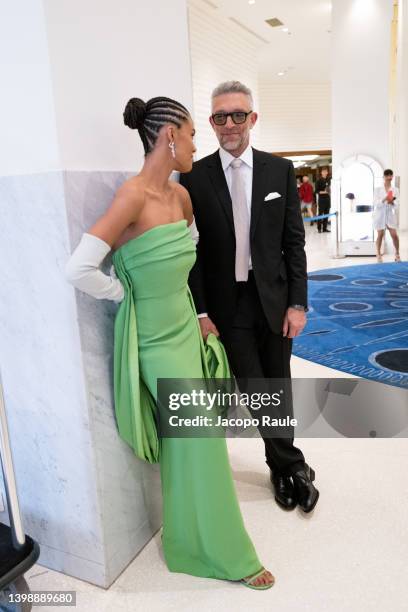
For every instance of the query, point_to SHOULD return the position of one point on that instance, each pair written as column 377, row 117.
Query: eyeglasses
column 237, row 117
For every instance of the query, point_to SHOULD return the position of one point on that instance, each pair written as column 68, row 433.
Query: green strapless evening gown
column 157, row 335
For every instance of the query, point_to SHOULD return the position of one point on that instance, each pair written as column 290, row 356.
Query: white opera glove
column 82, row 270
column 194, row 231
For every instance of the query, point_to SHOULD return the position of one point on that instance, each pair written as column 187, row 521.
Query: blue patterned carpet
column 358, row 321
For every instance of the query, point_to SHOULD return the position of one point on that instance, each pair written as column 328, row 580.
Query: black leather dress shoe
column 284, row 491
column 305, row 491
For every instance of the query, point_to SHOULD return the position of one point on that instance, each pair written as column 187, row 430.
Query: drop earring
column 173, row 149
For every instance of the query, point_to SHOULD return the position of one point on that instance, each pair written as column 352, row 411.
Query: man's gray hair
column 232, row 87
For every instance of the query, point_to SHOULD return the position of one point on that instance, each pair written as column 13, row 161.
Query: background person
column 306, row 195
column 386, row 200
column 323, row 195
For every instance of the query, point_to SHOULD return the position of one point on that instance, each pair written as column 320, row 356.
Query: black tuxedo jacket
column 277, row 240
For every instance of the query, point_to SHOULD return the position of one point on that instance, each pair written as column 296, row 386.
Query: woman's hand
column 207, row 327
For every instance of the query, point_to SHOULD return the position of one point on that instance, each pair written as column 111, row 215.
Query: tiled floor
column 350, row 554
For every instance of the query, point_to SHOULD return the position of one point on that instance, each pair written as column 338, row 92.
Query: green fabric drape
column 135, row 406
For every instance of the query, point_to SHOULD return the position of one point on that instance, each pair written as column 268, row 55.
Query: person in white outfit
column 386, row 200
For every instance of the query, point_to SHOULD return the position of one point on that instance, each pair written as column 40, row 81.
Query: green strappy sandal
column 259, row 587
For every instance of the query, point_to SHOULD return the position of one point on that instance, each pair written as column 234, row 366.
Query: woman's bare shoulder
column 133, row 187
column 123, row 212
column 130, row 196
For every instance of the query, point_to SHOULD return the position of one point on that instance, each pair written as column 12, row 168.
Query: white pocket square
column 272, row 196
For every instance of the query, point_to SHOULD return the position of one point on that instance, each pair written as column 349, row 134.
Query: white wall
column 137, row 49
column 69, row 114
column 295, row 116
column 66, row 74
column 28, row 141
column 220, row 51
column 360, row 79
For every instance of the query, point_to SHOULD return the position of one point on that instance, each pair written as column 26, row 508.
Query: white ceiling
column 302, row 55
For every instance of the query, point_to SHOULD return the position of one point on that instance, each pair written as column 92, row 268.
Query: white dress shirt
column 246, row 169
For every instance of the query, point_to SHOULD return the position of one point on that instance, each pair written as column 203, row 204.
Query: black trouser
column 254, row 351
column 324, row 208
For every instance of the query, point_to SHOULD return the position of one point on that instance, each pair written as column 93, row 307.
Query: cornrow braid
column 149, row 117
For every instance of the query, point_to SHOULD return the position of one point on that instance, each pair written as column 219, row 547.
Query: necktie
column 241, row 221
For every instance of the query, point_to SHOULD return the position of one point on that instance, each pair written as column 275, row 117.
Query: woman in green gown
column 149, row 226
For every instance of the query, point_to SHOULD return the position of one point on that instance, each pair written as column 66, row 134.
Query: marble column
column 401, row 158
column 69, row 69
column 360, row 75
column 361, row 31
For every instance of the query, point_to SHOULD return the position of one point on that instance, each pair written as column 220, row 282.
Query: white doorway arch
column 352, row 198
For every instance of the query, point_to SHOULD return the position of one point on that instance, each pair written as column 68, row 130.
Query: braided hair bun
column 149, row 117
column 135, row 113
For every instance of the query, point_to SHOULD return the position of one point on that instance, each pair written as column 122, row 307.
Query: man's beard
column 232, row 145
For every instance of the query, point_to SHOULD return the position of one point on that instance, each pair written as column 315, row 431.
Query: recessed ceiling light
column 251, row 1
column 281, row 73
column 285, row 29
column 274, row 22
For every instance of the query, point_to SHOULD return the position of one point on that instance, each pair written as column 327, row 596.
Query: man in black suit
column 249, row 282
column 323, row 194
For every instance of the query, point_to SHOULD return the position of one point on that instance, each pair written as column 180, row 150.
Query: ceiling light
column 281, row 73
column 251, row 1
column 274, row 22
column 285, row 29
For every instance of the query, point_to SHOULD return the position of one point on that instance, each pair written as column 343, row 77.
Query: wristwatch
column 299, row 307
